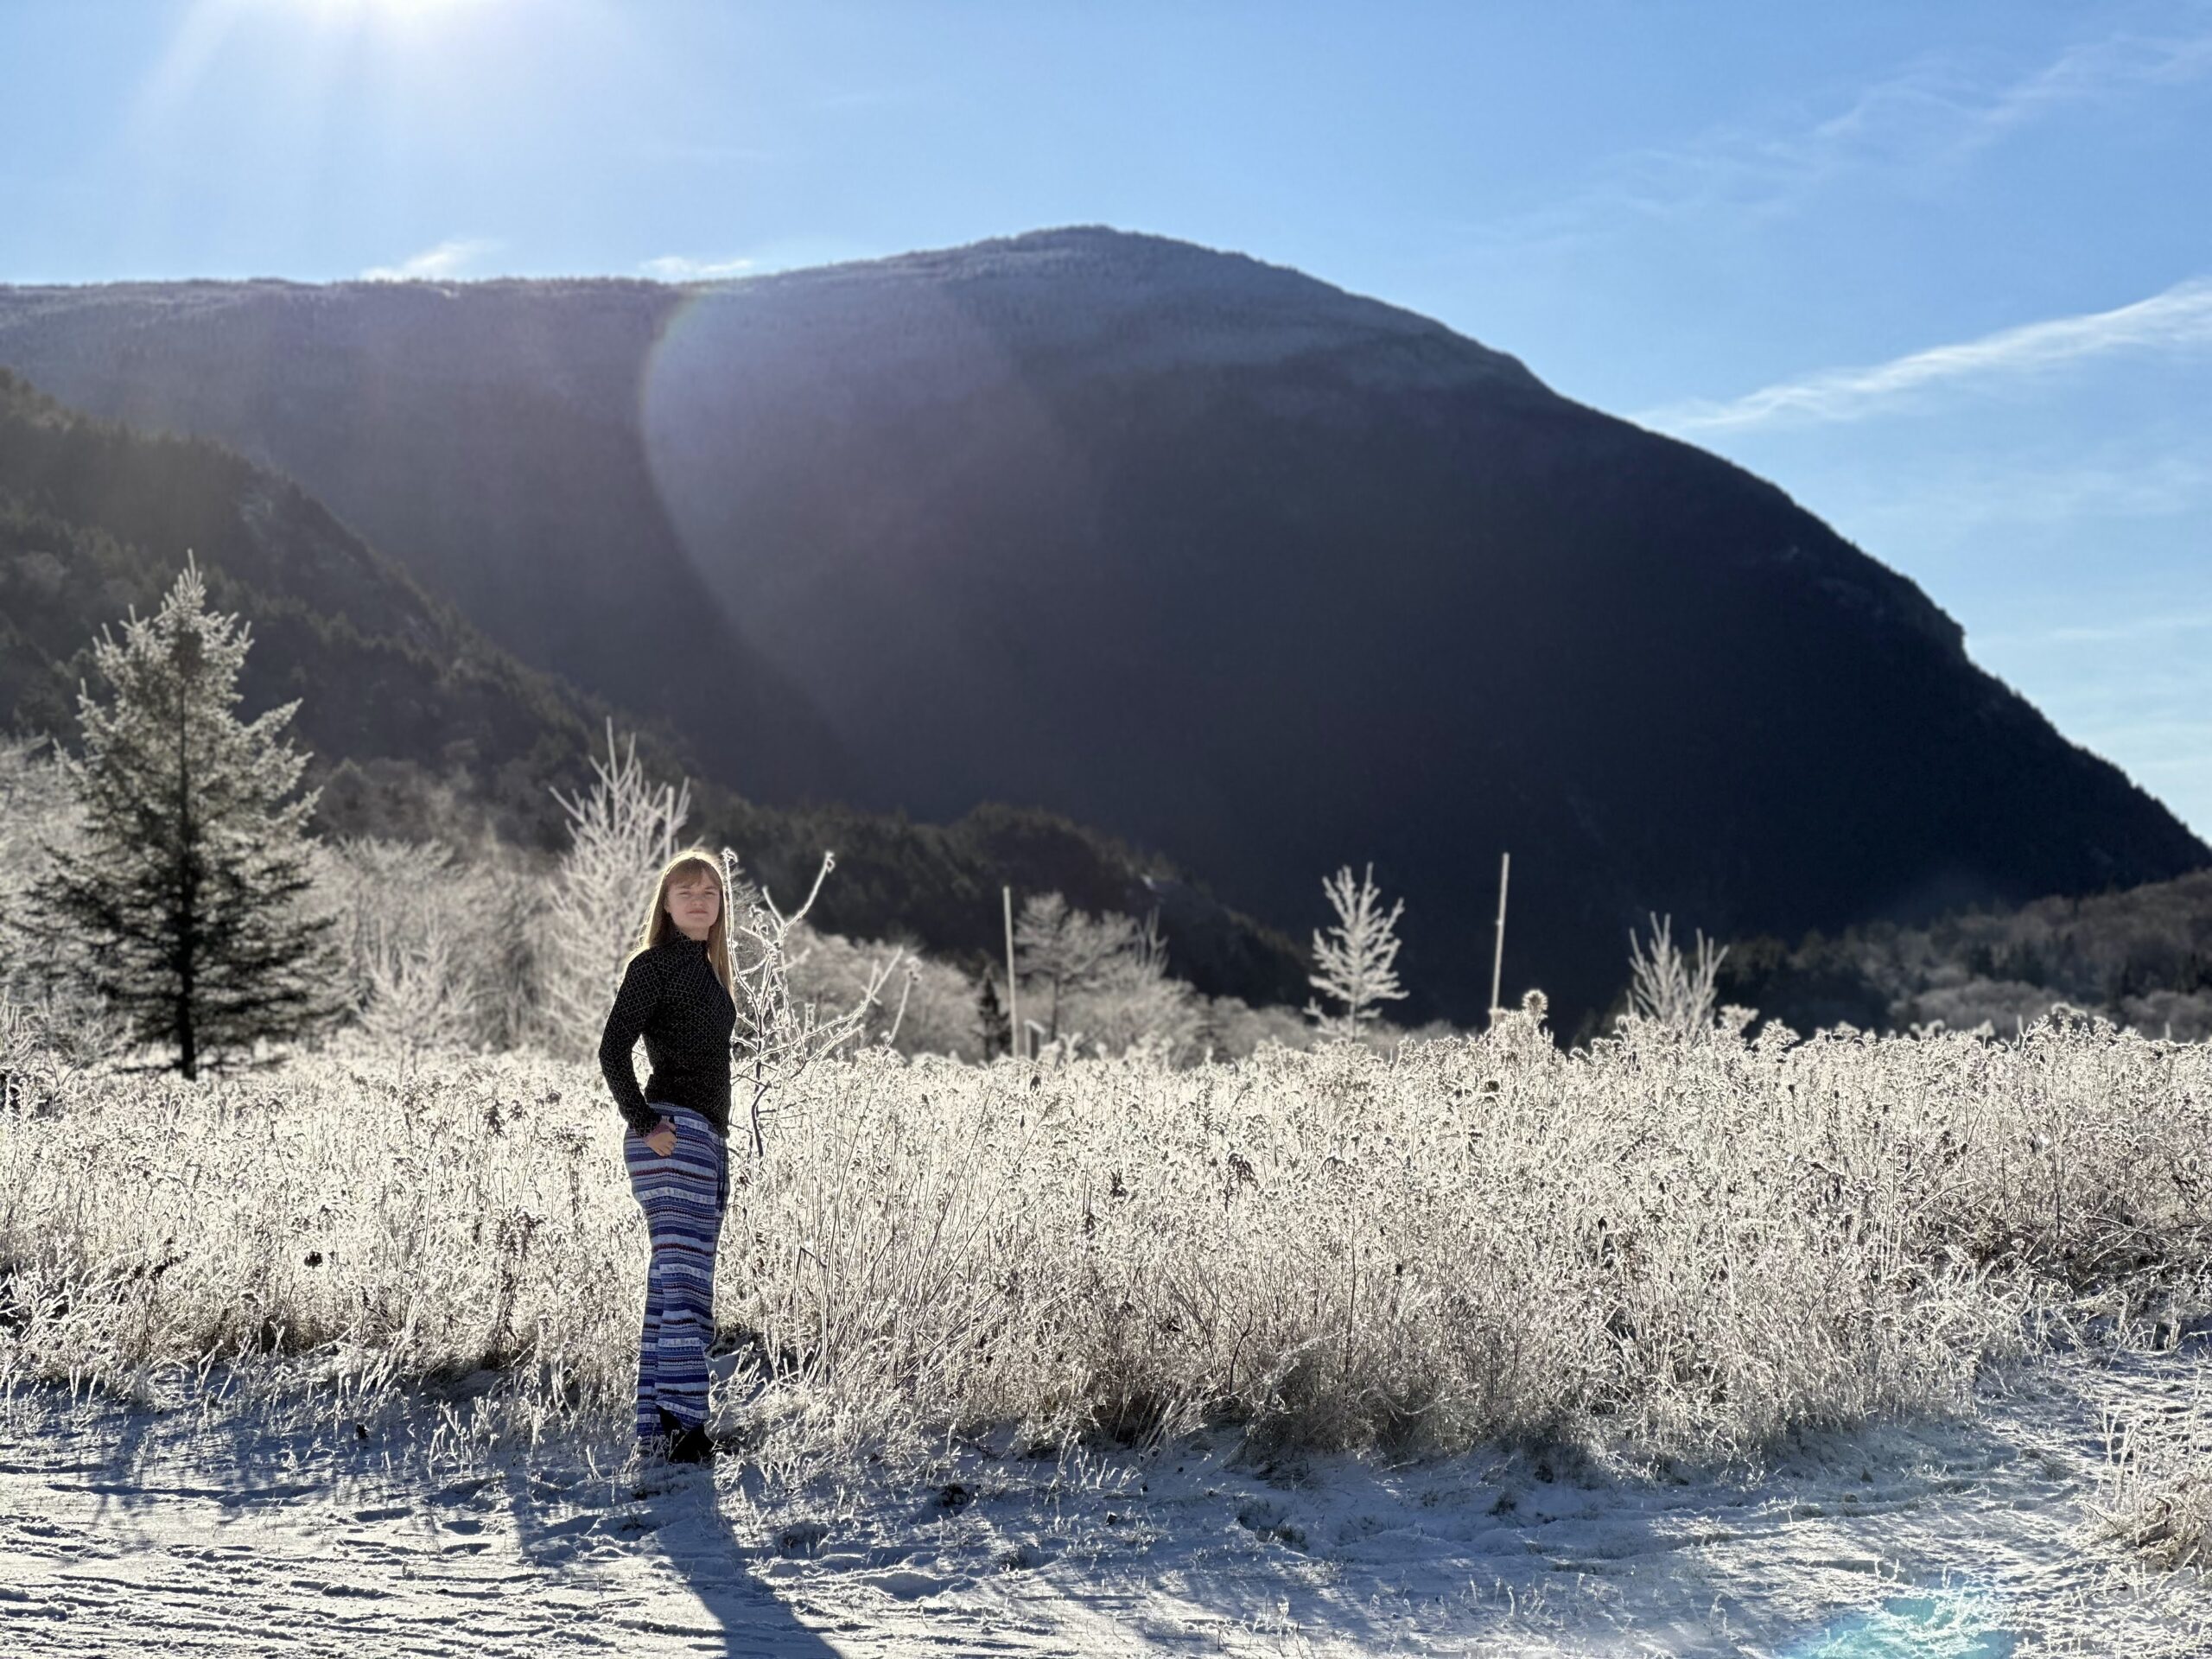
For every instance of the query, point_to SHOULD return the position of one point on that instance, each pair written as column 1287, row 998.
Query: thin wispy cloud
column 2097, row 70
column 1926, row 116
column 2180, row 319
column 681, row 268
column 448, row 259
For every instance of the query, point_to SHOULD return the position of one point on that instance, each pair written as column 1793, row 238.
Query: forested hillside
column 420, row 726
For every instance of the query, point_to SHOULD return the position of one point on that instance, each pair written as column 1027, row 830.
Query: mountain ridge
column 1206, row 552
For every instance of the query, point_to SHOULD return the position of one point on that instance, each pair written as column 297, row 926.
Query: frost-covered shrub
column 1231, row 1029
column 1968, row 1002
column 436, row 949
column 931, row 1005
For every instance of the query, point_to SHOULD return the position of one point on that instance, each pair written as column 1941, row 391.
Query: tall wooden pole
column 1498, row 960
column 1013, row 1032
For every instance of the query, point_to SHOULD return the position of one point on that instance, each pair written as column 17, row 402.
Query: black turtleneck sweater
column 671, row 996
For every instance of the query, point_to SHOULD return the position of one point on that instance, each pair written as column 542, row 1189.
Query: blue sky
column 1943, row 272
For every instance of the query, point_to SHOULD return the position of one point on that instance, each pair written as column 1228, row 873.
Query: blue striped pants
column 683, row 1196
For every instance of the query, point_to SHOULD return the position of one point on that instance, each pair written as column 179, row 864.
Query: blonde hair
column 659, row 924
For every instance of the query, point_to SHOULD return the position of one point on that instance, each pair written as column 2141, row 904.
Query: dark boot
column 691, row 1444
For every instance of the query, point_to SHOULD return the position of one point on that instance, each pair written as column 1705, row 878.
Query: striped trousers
column 683, row 1196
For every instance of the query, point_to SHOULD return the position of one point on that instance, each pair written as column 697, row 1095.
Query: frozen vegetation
column 1734, row 1333
column 1662, row 1259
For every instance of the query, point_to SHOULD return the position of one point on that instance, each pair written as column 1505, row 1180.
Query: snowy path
column 125, row 1534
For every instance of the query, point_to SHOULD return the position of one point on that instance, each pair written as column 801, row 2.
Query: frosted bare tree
column 779, row 1035
column 1067, row 950
column 389, row 896
column 420, row 994
column 620, row 831
column 1355, row 956
column 1132, row 1001
column 1667, row 989
column 73, row 1027
column 36, row 800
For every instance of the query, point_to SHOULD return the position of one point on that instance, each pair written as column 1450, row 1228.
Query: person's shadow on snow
column 698, row 1538
column 679, row 1513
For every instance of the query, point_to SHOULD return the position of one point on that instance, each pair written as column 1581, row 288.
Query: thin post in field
column 1014, row 1040
column 1498, row 957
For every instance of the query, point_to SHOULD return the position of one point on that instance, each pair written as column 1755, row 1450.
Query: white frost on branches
column 1355, row 956
column 1102, row 979
column 1665, row 988
column 420, row 994
column 779, row 1035
column 621, row 832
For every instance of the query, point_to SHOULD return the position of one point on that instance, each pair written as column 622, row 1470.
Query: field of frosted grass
column 1657, row 1248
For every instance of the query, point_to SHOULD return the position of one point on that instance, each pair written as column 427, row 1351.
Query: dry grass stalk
column 2156, row 1493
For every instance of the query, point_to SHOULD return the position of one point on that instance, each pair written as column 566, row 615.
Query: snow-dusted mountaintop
column 1144, row 301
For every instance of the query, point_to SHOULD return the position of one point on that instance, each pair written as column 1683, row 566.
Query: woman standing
column 675, row 993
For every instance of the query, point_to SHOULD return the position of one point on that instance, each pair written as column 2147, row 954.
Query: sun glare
column 384, row 8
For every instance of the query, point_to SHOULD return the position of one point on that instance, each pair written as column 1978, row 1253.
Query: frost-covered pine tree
column 620, row 831
column 1354, row 956
column 177, row 901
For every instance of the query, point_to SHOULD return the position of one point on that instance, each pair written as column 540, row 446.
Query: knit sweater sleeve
column 626, row 1021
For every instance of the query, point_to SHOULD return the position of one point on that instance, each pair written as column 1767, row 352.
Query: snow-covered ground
column 187, row 1533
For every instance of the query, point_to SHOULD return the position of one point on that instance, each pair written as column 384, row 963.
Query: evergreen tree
column 1355, row 954
column 177, row 901
column 991, row 1020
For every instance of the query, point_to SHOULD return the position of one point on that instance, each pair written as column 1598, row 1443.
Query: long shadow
column 683, row 1511
column 136, row 1460
column 1524, row 1520
column 686, row 1511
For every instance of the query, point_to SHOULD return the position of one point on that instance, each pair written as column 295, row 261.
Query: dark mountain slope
column 491, row 447
column 95, row 518
column 1221, row 558
column 399, row 692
